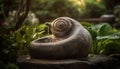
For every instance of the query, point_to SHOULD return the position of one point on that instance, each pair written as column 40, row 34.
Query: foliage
column 47, row 10
column 17, row 43
column 21, row 38
column 93, row 8
column 25, row 35
column 105, row 39
column 8, row 51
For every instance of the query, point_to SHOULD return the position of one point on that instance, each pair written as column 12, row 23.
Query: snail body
column 69, row 40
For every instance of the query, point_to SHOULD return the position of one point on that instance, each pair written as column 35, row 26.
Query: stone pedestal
column 25, row 62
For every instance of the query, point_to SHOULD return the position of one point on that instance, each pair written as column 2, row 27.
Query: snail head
column 48, row 24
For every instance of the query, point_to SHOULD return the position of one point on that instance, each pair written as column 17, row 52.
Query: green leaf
column 107, row 37
column 105, row 29
column 111, row 37
column 102, row 29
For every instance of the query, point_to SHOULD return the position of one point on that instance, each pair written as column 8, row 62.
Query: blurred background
column 47, row 10
column 22, row 21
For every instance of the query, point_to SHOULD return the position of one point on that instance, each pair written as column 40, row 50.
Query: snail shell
column 61, row 27
column 70, row 40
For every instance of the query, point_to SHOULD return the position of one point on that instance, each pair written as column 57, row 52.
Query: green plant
column 93, row 8
column 9, row 52
column 48, row 10
column 105, row 39
column 17, row 43
column 25, row 35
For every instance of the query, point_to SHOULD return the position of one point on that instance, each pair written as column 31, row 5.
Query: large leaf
column 102, row 29
column 111, row 37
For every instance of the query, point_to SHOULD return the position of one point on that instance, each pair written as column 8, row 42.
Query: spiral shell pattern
column 61, row 26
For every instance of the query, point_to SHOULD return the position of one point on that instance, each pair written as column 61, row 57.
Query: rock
column 26, row 62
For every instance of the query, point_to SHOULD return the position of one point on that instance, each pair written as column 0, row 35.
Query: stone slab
column 25, row 62
column 95, row 62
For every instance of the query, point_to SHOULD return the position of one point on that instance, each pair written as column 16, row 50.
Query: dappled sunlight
column 78, row 2
column 98, row 1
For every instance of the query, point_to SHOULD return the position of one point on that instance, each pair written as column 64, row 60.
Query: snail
column 60, row 29
column 69, row 40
